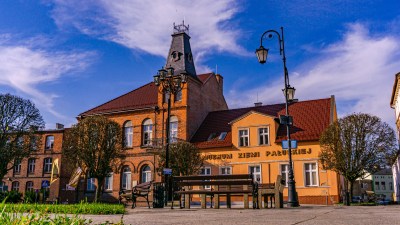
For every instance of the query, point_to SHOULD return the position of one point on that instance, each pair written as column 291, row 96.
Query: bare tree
column 356, row 145
column 19, row 120
column 95, row 144
column 184, row 159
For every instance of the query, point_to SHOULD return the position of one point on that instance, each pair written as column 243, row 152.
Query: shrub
column 11, row 196
column 30, row 197
column 82, row 208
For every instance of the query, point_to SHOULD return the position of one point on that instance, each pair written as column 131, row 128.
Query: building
column 395, row 104
column 34, row 173
column 383, row 184
column 362, row 185
column 246, row 140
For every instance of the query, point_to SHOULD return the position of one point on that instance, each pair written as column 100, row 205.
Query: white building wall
column 396, row 180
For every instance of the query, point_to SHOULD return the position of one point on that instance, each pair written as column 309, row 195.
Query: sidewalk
column 321, row 215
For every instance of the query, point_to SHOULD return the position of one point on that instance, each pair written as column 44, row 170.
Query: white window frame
column 108, row 182
column 256, row 175
column 225, row 170
column 90, row 184
column 206, row 171
column 47, row 165
column 383, row 184
column 307, row 170
column 377, row 187
column 146, row 175
column 29, row 187
column 16, row 186
column 17, row 166
column 261, row 136
column 31, row 165
column 286, row 172
column 126, row 180
column 173, row 129
column 49, row 142
column 147, row 132
column 244, row 136
column 128, row 134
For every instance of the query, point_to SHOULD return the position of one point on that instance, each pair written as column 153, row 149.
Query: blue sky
column 68, row 56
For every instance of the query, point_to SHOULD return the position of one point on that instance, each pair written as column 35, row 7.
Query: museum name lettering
column 302, row 151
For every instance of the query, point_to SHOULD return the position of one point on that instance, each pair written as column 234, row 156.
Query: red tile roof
column 142, row 97
column 310, row 119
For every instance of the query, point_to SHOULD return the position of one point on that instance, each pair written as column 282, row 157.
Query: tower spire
column 180, row 53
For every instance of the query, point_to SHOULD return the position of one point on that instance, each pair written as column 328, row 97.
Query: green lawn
column 82, row 208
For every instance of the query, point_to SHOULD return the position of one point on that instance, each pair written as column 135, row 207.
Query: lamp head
column 262, row 54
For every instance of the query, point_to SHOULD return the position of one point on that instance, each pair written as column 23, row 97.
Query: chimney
column 257, row 104
column 59, row 126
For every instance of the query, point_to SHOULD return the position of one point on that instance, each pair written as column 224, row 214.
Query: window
column 15, row 186
column 244, row 137
column 377, row 185
column 47, row 165
column 178, row 96
column 391, row 186
column 49, row 142
column 29, row 186
column 2, row 184
column 256, row 171
column 383, row 184
column 128, row 134
column 17, row 166
column 173, row 127
column 90, row 183
column 222, row 136
column 108, row 182
column 263, row 136
column 212, row 136
column 126, row 178
column 31, row 165
column 225, row 170
column 206, row 171
column 20, row 142
column 166, row 97
column 33, row 143
column 364, row 185
column 311, row 174
column 285, row 173
column 147, row 132
column 146, row 174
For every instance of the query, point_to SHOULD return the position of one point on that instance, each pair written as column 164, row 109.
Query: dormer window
column 212, row 136
column 222, row 136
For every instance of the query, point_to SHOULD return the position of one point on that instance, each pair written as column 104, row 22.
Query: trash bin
column 158, row 195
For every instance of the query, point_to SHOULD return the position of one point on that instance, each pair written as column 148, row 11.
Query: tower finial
column 181, row 28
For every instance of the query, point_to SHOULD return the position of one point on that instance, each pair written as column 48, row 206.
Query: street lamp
column 287, row 120
column 171, row 84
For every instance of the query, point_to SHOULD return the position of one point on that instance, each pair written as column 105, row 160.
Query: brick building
column 234, row 141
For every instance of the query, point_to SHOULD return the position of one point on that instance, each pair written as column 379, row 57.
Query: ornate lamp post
column 287, row 120
column 171, row 84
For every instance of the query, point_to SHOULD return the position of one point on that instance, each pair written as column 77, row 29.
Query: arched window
column 128, row 133
column 173, row 128
column 47, row 165
column 29, row 186
column 146, row 174
column 15, row 186
column 147, row 129
column 49, row 142
column 126, row 183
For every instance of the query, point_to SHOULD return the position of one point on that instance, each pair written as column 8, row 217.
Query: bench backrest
column 143, row 186
column 200, row 180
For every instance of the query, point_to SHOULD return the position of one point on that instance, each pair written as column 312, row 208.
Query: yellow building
column 248, row 140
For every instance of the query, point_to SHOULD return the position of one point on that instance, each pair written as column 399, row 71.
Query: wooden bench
column 272, row 191
column 140, row 190
column 228, row 185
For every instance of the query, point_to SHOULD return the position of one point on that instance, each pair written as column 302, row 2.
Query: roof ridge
column 116, row 98
column 269, row 105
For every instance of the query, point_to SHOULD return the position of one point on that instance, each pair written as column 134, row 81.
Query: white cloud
column 146, row 25
column 24, row 67
column 359, row 70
